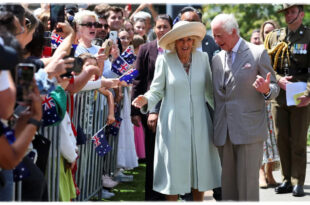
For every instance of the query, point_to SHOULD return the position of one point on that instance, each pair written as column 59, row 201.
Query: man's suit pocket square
column 247, row 65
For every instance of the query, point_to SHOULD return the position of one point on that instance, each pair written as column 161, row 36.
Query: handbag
column 42, row 145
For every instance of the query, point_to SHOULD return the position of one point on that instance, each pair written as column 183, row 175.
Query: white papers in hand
column 294, row 89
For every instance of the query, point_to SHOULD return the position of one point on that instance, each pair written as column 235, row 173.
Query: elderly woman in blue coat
column 185, row 158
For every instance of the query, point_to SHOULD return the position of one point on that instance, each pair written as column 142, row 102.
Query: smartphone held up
column 113, row 36
column 24, row 82
column 107, row 45
column 57, row 14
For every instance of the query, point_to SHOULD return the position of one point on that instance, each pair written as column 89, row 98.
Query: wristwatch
column 35, row 122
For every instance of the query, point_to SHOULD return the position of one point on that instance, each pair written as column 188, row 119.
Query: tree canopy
column 249, row 16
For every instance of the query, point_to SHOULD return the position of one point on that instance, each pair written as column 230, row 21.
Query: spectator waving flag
column 124, row 62
column 101, row 144
column 56, row 40
column 50, row 115
column 113, row 129
column 129, row 76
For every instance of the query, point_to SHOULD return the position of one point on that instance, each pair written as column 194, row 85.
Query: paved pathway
column 268, row 195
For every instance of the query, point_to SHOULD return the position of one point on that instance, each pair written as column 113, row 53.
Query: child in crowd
column 139, row 27
column 89, row 59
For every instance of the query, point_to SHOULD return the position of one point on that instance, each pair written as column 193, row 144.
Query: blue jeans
column 6, row 192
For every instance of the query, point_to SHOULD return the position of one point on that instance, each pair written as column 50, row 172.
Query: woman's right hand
column 140, row 101
column 34, row 112
column 36, row 104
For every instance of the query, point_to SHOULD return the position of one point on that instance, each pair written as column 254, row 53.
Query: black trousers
column 150, row 194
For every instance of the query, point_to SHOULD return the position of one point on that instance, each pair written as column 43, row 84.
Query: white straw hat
column 180, row 30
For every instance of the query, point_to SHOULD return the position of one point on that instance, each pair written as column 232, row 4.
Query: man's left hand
column 261, row 84
column 304, row 101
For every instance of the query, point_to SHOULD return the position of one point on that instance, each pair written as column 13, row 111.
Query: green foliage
column 308, row 139
column 249, row 16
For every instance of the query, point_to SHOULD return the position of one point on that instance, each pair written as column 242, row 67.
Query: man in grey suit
column 242, row 80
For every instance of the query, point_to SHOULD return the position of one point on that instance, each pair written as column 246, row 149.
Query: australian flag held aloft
column 123, row 62
column 129, row 76
column 101, row 144
column 56, row 40
column 119, row 66
column 50, row 115
column 129, row 56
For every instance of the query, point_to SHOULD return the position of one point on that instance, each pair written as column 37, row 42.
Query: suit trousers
column 291, row 128
column 240, row 170
column 150, row 194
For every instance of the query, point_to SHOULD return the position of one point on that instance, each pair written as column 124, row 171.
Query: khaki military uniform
column 291, row 123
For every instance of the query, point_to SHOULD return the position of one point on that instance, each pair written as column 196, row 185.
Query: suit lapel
column 240, row 59
column 153, row 48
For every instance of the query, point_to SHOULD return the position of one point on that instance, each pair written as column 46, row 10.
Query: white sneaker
column 106, row 194
column 121, row 177
column 108, row 182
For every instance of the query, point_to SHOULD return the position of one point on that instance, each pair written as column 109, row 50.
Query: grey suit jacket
column 239, row 108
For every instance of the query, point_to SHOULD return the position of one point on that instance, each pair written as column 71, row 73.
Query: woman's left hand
column 140, row 101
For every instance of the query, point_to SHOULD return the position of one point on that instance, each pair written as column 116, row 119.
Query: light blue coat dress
column 185, row 156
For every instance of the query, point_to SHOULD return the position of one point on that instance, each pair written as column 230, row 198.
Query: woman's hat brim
column 180, row 30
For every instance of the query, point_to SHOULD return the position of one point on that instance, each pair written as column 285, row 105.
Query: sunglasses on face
column 106, row 26
column 90, row 24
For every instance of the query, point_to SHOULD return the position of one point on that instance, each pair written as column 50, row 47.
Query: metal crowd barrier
column 90, row 113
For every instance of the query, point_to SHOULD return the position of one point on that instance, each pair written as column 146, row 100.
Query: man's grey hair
column 228, row 22
column 142, row 15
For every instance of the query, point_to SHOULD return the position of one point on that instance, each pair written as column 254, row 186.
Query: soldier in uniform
column 289, row 49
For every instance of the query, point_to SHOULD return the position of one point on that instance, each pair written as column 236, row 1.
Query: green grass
column 130, row 191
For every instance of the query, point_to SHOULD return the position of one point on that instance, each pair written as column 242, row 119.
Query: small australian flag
column 101, row 144
column 113, row 129
column 50, row 115
column 20, row 172
column 56, row 40
column 129, row 76
column 120, row 66
column 123, row 62
column 129, row 56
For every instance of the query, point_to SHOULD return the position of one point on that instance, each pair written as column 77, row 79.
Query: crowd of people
column 204, row 112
